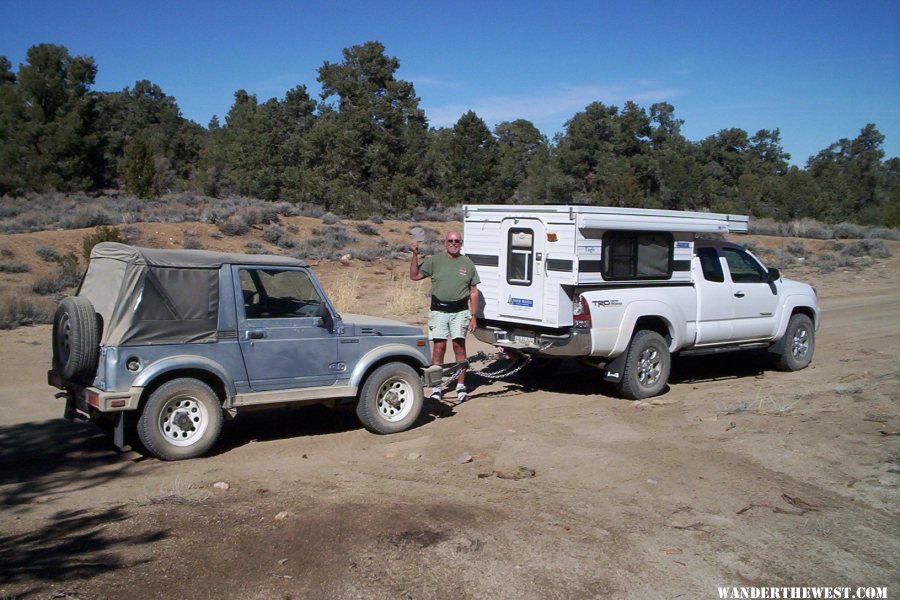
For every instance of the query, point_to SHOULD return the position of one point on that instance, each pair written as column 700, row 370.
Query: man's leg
column 438, row 349
column 459, row 351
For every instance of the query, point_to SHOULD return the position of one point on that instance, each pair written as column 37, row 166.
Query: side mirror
column 774, row 274
column 327, row 320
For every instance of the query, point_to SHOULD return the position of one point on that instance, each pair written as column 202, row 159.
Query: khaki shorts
column 444, row 326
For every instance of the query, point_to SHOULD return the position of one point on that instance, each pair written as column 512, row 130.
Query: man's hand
column 414, row 246
column 471, row 326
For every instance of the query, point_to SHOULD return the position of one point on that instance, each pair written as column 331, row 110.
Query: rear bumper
column 573, row 343
column 87, row 398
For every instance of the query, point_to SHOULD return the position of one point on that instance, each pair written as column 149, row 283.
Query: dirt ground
column 536, row 488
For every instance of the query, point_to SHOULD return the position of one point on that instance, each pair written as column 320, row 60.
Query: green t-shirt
column 450, row 277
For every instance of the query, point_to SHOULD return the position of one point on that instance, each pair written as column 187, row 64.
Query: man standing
column 454, row 300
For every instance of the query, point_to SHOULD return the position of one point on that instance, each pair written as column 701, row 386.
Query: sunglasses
column 454, row 241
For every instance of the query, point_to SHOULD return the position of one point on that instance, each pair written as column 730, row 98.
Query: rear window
column 637, row 255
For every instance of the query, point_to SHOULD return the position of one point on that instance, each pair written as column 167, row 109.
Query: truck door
column 754, row 299
column 714, row 299
column 522, row 269
column 283, row 337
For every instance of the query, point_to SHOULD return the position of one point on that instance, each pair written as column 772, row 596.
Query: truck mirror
column 774, row 274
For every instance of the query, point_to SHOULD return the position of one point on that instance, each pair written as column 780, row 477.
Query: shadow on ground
column 44, row 458
column 71, row 545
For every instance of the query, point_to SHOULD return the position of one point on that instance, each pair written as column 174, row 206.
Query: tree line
column 363, row 146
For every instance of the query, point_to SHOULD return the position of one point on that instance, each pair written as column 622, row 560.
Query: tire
column 647, row 366
column 391, row 399
column 799, row 344
column 181, row 419
column 76, row 338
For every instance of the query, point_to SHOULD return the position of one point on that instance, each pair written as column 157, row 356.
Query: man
column 454, row 299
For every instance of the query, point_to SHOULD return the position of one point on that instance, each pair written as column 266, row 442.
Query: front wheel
column 181, row 419
column 799, row 344
column 391, row 399
column 647, row 366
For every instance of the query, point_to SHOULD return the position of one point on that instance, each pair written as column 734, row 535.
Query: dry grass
column 405, row 296
column 345, row 292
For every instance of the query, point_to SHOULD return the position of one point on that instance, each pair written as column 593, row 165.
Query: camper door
column 522, row 269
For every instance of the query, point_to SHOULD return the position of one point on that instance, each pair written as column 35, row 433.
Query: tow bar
column 506, row 363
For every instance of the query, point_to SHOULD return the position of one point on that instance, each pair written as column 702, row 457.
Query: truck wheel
column 76, row 338
column 799, row 344
column 181, row 419
column 647, row 366
column 391, row 399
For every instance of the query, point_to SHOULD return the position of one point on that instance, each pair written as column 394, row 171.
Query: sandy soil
column 535, row 488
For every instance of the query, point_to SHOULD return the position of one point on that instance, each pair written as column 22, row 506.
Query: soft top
column 187, row 259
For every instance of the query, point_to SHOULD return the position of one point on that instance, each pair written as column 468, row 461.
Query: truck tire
column 181, row 419
column 799, row 344
column 76, row 338
column 647, row 366
column 391, row 399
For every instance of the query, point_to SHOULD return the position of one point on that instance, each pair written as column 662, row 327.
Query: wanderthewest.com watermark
column 801, row 593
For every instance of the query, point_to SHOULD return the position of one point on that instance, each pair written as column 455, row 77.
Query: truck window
column 744, row 269
column 709, row 263
column 277, row 294
column 637, row 255
column 519, row 260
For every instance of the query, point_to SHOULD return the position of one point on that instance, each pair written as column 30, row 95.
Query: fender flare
column 380, row 353
column 182, row 362
column 790, row 304
column 648, row 308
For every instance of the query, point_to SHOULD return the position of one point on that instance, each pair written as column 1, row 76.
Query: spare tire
column 76, row 338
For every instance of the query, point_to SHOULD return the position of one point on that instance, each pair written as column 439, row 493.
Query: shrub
column 103, row 233
column 330, row 219
column 254, row 248
column 47, row 253
column 190, row 242
column 67, row 274
column 868, row 247
column 376, row 219
column 13, row 266
column 847, row 231
column 6, row 253
column 883, row 233
column 234, row 225
column 366, row 229
column 797, row 248
column 15, row 311
column 278, row 236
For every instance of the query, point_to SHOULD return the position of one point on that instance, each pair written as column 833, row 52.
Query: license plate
column 523, row 339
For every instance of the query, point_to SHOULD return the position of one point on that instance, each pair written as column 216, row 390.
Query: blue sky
column 818, row 71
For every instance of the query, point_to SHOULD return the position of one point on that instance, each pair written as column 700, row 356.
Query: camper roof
column 613, row 217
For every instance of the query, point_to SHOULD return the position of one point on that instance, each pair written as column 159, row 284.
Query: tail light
column 581, row 312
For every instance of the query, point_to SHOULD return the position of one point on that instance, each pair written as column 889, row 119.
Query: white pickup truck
column 625, row 289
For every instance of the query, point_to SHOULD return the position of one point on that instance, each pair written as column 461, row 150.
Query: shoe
column 436, row 395
column 461, row 394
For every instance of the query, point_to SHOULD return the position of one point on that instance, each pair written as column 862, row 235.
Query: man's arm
column 473, row 306
column 414, row 273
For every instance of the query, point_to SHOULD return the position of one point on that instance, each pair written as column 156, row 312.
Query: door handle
column 739, row 295
column 256, row 335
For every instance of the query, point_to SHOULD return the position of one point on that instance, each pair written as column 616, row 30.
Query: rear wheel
column 76, row 338
column 799, row 344
column 647, row 366
column 181, row 419
column 391, row 399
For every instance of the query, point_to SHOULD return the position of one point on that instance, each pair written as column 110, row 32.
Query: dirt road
column 550, row 488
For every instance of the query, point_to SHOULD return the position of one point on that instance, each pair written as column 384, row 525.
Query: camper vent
column 367, row 331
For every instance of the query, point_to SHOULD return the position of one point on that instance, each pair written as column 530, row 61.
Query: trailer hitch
column 505, row 363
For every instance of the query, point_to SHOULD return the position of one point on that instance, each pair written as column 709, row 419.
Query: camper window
column 637, row 255
column 520, row 252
